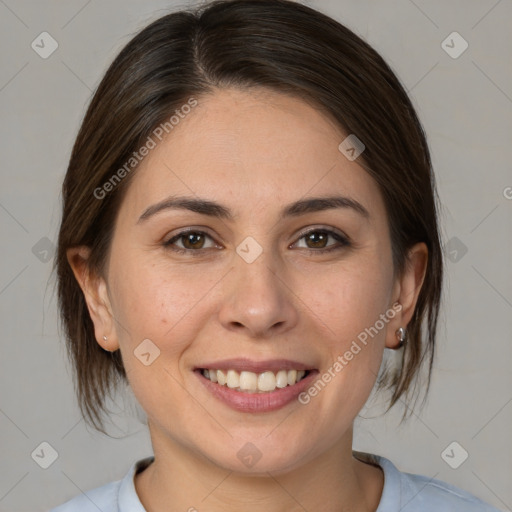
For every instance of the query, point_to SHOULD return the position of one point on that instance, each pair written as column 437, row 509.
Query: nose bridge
column 256, row 279
column 259, row 274
column 256, row 297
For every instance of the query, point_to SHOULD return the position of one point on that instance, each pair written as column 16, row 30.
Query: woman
column 249, row 221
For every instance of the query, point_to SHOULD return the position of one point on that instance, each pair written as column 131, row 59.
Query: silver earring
column 401, row 336
column 104, row 338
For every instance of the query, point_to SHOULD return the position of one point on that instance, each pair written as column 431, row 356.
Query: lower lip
column 257, row 402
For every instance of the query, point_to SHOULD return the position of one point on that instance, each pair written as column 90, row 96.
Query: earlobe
column 96, row 297
column 407, row 290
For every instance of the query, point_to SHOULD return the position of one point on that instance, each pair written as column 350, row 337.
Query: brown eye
column 317, row 241
column 191, row 240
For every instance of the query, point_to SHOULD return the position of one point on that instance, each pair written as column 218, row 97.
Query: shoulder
column 111, row 497
column 423, row 493
column 102, row 498
column 409, row 492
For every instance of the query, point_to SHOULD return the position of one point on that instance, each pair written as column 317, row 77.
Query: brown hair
column 277, row 44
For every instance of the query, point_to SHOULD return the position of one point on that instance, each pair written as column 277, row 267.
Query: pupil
column 192, row 239
column 321, row 238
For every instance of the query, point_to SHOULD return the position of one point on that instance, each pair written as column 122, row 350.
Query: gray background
column 465, row 104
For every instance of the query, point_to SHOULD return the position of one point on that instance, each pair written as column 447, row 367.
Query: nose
column 257, row 301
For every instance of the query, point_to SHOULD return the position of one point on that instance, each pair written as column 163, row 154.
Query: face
column 275, row 283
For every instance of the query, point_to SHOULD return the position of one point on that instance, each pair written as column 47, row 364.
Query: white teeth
column 292, row 377
column 253, row 382
column 282, row 379
column 266, row 381
column 233, row 379
column 248, row 381
column 221, row 377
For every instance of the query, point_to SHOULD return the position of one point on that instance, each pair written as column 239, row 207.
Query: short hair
column 280, row 45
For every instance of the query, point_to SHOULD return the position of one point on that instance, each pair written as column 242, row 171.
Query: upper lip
column 244, row 364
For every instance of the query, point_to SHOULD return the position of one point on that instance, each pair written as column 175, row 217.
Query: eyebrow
column 213, row 209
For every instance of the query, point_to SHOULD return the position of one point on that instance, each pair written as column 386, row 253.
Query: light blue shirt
column 402, row 492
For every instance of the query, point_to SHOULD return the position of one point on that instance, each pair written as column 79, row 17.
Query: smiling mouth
column 250, row 382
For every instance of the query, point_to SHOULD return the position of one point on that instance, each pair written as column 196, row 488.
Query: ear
column 406, row 291
column 96, row 296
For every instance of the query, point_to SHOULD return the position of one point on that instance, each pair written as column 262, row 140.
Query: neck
column 193, row 483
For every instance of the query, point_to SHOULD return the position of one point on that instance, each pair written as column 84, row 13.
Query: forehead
column 254, row 149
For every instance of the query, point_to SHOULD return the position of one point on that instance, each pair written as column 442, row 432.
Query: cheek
column 159, row 302
column 349, row 303
column 152, row 298
column 349, row 300
column 152, row 303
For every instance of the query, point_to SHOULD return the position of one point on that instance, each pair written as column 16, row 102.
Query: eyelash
column 197, row 252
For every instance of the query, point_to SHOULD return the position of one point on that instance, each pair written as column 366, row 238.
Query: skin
column 254, row 152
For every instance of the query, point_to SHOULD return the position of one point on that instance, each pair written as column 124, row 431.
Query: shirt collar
column 128, row 500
